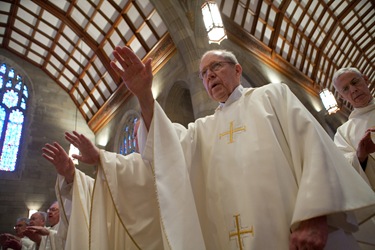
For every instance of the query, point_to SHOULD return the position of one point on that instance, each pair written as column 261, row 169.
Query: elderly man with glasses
column 260, row 173
column 18, row 241
column 46, row 238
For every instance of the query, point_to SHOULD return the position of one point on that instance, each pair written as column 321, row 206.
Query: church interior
column 62, row 51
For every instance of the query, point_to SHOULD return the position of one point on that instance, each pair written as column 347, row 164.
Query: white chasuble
column 351, row 132
column 347, row 139
column 253, row 171
column 118, row 211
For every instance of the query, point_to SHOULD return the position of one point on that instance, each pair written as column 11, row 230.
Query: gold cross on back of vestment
column 238, row 231
column 232, row 131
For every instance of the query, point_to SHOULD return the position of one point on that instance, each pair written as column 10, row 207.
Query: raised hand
column 38, row 230
column 136, row 75
column 60, row 159
column 89, row 152
column 5, row 237
column 33, row 235
column 11, row 243
column 365, row 146
column 137, row 78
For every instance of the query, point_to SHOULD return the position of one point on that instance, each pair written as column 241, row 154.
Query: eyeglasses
column 215, row 66
column 52, row 210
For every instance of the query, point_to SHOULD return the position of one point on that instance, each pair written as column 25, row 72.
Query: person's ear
column 238, row 69
column 365, row 77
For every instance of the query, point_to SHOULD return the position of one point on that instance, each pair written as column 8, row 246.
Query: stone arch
column 178, row 105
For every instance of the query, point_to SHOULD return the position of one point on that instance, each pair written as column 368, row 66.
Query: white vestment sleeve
column 125, row 200
column 75, row 210
column 351, row 155
column 177, row 206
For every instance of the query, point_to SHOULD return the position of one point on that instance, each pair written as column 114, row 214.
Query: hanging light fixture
column 329, row 101
column 212, row 21
column 73, row 149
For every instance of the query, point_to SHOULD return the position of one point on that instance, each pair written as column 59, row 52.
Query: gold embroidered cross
column 232, row 131
column 239, row 231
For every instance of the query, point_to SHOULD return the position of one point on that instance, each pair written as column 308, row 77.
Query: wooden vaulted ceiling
column 72, row 41
column 316, row 37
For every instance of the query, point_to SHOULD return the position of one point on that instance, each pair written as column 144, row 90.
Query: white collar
column 236, row 94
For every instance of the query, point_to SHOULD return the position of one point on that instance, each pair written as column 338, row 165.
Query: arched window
column 13, row 103
column 127, row 144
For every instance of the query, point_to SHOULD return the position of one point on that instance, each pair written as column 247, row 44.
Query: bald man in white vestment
column 117, row 211
column 354, row 139
column 260, row 173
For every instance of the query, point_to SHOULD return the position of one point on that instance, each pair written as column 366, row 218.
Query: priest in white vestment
column 354, row 138
column 117, row 210
column 260, row 173
column 19, row 240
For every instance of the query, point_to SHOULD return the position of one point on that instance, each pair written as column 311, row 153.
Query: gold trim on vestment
column 240, row 230
column 117, row 213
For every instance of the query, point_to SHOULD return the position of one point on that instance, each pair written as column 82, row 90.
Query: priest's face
column 219, row 75
column 37, row 220
column 354, row 88
column 20, row 227
column 53, row 214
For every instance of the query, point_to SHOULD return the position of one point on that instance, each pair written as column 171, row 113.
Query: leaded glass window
column 13, row 104
column 128, row 144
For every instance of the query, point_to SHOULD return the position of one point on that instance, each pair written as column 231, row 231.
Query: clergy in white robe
column 352, row 86
column 258, row 168
column 117, row 210
column 354, row 136
column 285, row 169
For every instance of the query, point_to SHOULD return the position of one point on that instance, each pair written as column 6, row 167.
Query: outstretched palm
column 136, row 75
column 89, row 152
column 59, row 158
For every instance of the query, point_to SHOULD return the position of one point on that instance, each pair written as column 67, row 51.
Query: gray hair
column 227, row 55
column 43, row 214
column 26, row 220
column 343, row 71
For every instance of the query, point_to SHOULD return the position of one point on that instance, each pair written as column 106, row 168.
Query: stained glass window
column 13, row 104
column 128, row 144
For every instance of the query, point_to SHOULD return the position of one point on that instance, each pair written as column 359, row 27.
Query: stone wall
column 50, row 113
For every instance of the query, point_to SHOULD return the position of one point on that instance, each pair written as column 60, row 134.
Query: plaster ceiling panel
column 35, row 57
column 148, row 36
column 135, row 17
column 136, row 46
column 102, row 23
column 30, row 6
column 124, row 29
column 79, row 18
column 145, row 6
column 158, row 24
column 39, row 50
column 52, row 70
column 109, row 11
column 61, row 4
column 3, row 19
column 19, row 38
